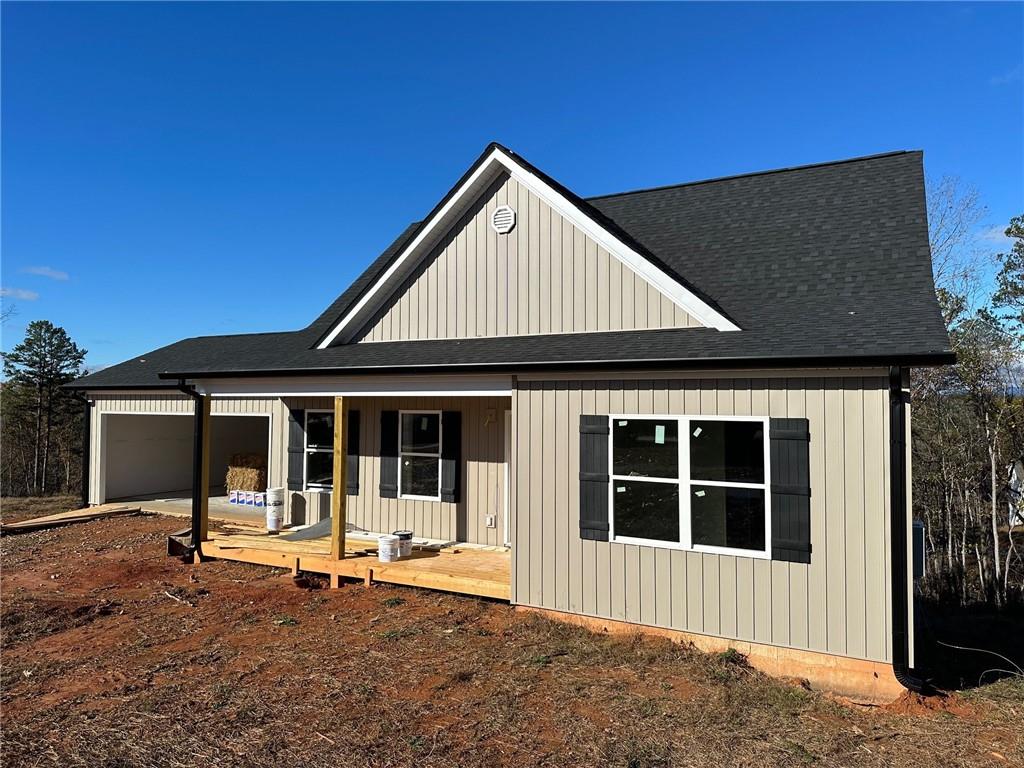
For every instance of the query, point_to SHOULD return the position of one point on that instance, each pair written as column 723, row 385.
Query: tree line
column 968, row 419
column 41, row 422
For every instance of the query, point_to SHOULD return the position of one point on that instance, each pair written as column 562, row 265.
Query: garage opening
column 149, row 458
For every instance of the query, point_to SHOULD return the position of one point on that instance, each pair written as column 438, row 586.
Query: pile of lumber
column 247, row 472
column 74, row 516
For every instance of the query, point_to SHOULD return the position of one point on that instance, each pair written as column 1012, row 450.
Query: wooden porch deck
column 466, row 569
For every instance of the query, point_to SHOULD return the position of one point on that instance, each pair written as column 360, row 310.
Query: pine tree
column 45, row 360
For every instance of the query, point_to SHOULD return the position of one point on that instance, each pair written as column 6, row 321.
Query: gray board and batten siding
column 545, row 276
column 838, row 604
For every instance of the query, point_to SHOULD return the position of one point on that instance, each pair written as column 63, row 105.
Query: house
column 682, row 408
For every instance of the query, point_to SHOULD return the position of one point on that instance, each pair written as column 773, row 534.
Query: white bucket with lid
column 275, row 509
column 387, row 548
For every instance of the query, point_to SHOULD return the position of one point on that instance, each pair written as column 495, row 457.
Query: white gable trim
column 675, row 291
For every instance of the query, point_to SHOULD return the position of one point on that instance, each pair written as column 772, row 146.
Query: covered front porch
column 436, row 465
column 464, row 568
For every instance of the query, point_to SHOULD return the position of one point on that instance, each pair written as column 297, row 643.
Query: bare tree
column 958, row 263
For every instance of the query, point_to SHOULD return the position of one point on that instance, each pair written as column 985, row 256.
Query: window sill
column 410, row 497
column 697, row 548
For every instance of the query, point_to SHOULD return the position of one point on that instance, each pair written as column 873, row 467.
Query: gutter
column 907, row 677
column 195, row 546
column 824, row 361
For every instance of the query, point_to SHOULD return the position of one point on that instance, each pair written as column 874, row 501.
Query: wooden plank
column 338, row 495
column 73, row 516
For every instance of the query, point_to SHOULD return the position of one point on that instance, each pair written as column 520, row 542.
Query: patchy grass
column 13, row 508
column 115, row 655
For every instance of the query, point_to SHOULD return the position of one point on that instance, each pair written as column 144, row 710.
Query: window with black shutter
column 732, row 485
column 420, row 455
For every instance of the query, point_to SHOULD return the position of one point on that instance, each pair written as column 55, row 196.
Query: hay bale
column 247, row 472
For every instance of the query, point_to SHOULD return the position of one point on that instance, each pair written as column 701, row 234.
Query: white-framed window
column 419, row 455
column 691, row 482
column 319, row 465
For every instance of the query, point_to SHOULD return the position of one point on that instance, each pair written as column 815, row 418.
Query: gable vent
column 503, row 220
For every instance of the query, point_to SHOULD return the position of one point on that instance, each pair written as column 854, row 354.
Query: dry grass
column 114, row 655
column 14, row 508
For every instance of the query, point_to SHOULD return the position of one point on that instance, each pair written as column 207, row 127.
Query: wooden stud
column 368, row 580
column 335, row 578
column 338, row 500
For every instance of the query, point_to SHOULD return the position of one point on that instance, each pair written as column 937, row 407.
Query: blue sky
column 173, row 170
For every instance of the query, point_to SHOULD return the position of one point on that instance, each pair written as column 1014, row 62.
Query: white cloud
column 50, row 272
column 996, row 234
column 19, row 293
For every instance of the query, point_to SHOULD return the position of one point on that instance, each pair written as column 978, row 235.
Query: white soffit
column 496, row 161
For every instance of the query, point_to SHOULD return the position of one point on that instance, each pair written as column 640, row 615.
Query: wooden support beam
column 204, row 480
column 338, row 500
column 200, row 472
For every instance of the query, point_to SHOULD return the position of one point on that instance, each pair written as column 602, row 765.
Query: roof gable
column 495, row 161
column 544, row 276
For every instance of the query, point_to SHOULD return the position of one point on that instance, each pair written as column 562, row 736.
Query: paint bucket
column 404, row 542
column 387, row 548
column 274, row 519
column 275, row 509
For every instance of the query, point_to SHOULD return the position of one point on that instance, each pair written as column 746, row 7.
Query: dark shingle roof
column 825, row 263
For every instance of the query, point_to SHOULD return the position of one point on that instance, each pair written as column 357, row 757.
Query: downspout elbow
column 188, row 389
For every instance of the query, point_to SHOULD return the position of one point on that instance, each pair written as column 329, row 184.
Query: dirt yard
column 115, row 655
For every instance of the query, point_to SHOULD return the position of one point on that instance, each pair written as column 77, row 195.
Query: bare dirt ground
column 115, row 655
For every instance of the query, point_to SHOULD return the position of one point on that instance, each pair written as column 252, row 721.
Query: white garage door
column 151, row 455
column 147, row 455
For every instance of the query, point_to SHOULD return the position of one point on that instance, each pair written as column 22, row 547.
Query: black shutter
column 389, row 454
column 296, row 448
column 790, row 455
column 451, row 454
column 594, row 478
column 352, row 458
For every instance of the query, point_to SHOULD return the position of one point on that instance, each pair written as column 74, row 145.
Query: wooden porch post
column 201, row 474
column 339, row 484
